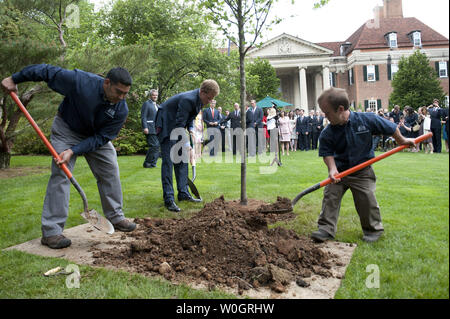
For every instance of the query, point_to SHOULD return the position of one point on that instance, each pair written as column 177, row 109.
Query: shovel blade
column 193, row 189
column 98, row 221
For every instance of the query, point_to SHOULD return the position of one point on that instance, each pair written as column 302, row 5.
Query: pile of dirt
column 225, row 244
column 282, row 205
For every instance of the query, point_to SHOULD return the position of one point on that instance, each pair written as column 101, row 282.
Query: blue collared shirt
column 85, row 108
column 351, row 144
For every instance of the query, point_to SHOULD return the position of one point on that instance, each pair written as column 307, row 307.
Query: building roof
column 372, row 36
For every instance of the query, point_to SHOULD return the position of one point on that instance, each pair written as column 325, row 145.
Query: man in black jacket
column 302, row 130
column 148, row 115
column 235, row 118
column 436, row 117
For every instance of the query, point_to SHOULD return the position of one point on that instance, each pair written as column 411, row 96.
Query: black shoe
column 172, row 206
column 189, row 199
column 56, row 242
column 125, row 226
column 371, row 238
column 147, row 165
column 320, row 236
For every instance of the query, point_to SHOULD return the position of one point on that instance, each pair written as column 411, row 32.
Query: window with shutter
column 394, row 69
column 443, row 69
column 371, row 73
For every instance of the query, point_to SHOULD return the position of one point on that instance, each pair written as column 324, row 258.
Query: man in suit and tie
column 436, row 117
column 222, row 128
column 211, row 117
column 316, row 128
column 255, row 121
column 178, row 113
column 148, row 115
column 235, row 123
column 302, row 130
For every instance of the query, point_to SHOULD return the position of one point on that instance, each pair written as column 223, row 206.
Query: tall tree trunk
column 243, row 101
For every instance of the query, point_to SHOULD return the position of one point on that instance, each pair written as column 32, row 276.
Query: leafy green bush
column 130, row 142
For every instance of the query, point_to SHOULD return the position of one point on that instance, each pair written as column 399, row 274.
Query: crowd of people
column 412, row 124
column 298, row 131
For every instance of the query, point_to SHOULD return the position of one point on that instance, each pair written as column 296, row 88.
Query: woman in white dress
column 294, row 136
column 285, row 132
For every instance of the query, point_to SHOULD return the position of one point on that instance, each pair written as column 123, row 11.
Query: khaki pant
column 362, row 185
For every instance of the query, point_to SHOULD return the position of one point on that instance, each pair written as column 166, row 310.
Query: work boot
column 124, row 225
column 320, row 236
column 56, row 242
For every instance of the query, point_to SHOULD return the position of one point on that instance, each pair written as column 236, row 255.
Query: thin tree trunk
column 243, row 101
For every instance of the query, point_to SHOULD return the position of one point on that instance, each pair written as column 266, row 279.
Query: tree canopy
column 415, row 83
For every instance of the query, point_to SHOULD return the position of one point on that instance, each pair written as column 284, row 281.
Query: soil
column 224, row 244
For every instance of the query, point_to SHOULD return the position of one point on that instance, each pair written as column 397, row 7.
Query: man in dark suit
column 316, row 128
column 178, row 113
column 258, row 115
column 222, row 128
column 250, row 131
column 235, row 118
column 302, row 130
column 436, row 117
column 211, row 117
column 148, row 115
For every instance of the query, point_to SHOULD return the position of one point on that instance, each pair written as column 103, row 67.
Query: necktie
column 236, row 113
column 212, row 113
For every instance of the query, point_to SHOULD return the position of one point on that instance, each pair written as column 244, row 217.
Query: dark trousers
column 153, row 150
column 167, row 167
column 437, row 144
column 303, row 142
column 314, row 137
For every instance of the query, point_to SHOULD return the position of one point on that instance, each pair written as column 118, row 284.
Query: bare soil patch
column 22, row 171
column 225, row 244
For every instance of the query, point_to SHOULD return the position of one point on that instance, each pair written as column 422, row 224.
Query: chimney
column 392, row 9
column 378, row 13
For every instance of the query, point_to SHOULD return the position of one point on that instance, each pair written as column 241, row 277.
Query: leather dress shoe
column 172, row 206
column 189, row 199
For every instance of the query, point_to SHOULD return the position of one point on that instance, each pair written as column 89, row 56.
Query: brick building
column 364, row 64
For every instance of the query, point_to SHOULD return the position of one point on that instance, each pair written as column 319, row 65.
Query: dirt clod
column 226, row 243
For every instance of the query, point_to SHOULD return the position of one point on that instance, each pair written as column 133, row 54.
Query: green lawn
column 412, row 256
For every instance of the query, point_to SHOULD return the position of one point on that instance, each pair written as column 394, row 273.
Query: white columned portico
column 303, row 88
column 318, row 86
column 326, row 77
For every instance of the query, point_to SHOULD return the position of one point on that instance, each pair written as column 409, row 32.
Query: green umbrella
column 269, row 101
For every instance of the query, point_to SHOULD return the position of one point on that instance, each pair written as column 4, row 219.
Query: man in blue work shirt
column 173, row 118
column 345, row 143
column 90, row 116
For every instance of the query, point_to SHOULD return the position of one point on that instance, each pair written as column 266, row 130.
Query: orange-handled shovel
column 343, row 174
column 92, row 216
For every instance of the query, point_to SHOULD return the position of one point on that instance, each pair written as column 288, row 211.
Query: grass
column 412, row 256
